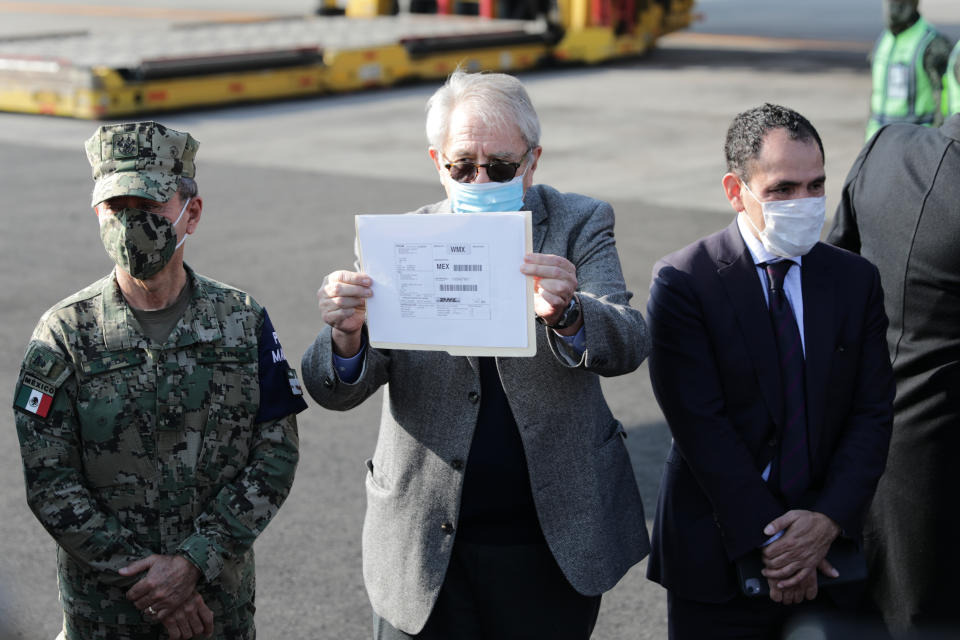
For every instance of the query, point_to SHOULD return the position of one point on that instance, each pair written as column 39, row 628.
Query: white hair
column 498, row 98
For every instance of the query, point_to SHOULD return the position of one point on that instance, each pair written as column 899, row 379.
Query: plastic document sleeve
column 449, row 282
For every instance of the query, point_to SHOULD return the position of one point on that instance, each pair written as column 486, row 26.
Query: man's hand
column 806, row 589
column 555, row 282
column 169, row 582
column 343, row 306
column 191, row 620
column 791, row 562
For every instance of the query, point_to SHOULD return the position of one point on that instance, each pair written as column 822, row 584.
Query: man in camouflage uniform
column 156, row 414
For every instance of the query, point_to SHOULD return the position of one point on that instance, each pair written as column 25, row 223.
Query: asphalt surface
column 281, row 183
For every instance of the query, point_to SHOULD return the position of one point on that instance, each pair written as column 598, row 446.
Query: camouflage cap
column 143, row 159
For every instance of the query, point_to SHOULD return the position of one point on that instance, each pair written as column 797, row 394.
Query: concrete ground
column 281, row 183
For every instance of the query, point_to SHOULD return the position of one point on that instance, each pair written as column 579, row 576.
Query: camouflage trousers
column 233, row 625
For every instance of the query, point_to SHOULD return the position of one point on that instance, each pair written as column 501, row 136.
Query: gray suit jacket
column 583, row 484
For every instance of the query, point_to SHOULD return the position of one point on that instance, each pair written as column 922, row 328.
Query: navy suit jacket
column 715, row 373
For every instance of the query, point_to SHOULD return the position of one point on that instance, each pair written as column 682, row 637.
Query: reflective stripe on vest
column 901, row 86
column 951, row 87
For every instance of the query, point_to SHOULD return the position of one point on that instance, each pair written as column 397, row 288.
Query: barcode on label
column 458, row 287
column 468, row 267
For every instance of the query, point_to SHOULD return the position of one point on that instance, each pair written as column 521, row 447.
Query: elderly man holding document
column 501, row 502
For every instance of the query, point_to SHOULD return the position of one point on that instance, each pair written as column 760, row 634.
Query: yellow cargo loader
column 104, row 76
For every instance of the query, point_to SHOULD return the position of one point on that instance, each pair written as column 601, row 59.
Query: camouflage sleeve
column 48, row 428
column 242, row 509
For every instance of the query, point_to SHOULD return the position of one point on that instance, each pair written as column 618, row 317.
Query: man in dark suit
column 770, row 364
column 900, row 211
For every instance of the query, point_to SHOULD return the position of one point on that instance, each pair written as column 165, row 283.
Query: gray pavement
column 281, row 183
column 858, row 20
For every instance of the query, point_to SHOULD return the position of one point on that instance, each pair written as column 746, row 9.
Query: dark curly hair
column 746, row 133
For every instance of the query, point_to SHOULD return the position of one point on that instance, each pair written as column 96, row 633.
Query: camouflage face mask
column 140, row 242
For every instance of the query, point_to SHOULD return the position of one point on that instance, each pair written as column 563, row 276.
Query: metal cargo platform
column 109, row 75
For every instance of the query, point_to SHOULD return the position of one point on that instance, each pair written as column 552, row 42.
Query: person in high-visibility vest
column 908, row 60
column 951, row 84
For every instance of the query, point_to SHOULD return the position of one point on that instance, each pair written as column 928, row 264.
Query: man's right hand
column 193, row 619
column 343, row 306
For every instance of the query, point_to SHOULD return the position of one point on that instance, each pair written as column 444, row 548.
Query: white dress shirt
column 792, row 281
column 792, row 287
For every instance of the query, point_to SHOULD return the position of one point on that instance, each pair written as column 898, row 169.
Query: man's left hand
column 805, row 589
column 794, row 559
column 555, row 282
column 169, row 581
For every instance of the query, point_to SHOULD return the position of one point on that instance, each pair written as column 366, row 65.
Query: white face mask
column 791, row 227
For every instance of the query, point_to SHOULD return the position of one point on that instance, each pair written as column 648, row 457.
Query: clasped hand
column 168, row 593
column 792, row 561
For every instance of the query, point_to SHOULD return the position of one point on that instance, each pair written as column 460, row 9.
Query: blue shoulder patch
column 280, row 393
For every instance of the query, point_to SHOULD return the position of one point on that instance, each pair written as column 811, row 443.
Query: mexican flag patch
column 33, row 401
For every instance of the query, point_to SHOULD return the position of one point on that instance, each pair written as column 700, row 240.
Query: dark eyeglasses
column 497, row 170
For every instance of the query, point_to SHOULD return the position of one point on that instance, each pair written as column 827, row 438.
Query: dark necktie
column 794, row 468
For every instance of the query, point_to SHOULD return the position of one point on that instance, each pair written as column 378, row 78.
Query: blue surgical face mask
column 474, row 197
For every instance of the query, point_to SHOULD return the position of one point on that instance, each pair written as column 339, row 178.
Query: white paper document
column 449, row 282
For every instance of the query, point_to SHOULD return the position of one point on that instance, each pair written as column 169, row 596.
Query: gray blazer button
column 457, row 464
column 473, row 397
column 328, row 383
column 772, row 442
column 447, row 528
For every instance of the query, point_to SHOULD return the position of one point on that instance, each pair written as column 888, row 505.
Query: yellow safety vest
column 901, row 87
column 951, row 87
